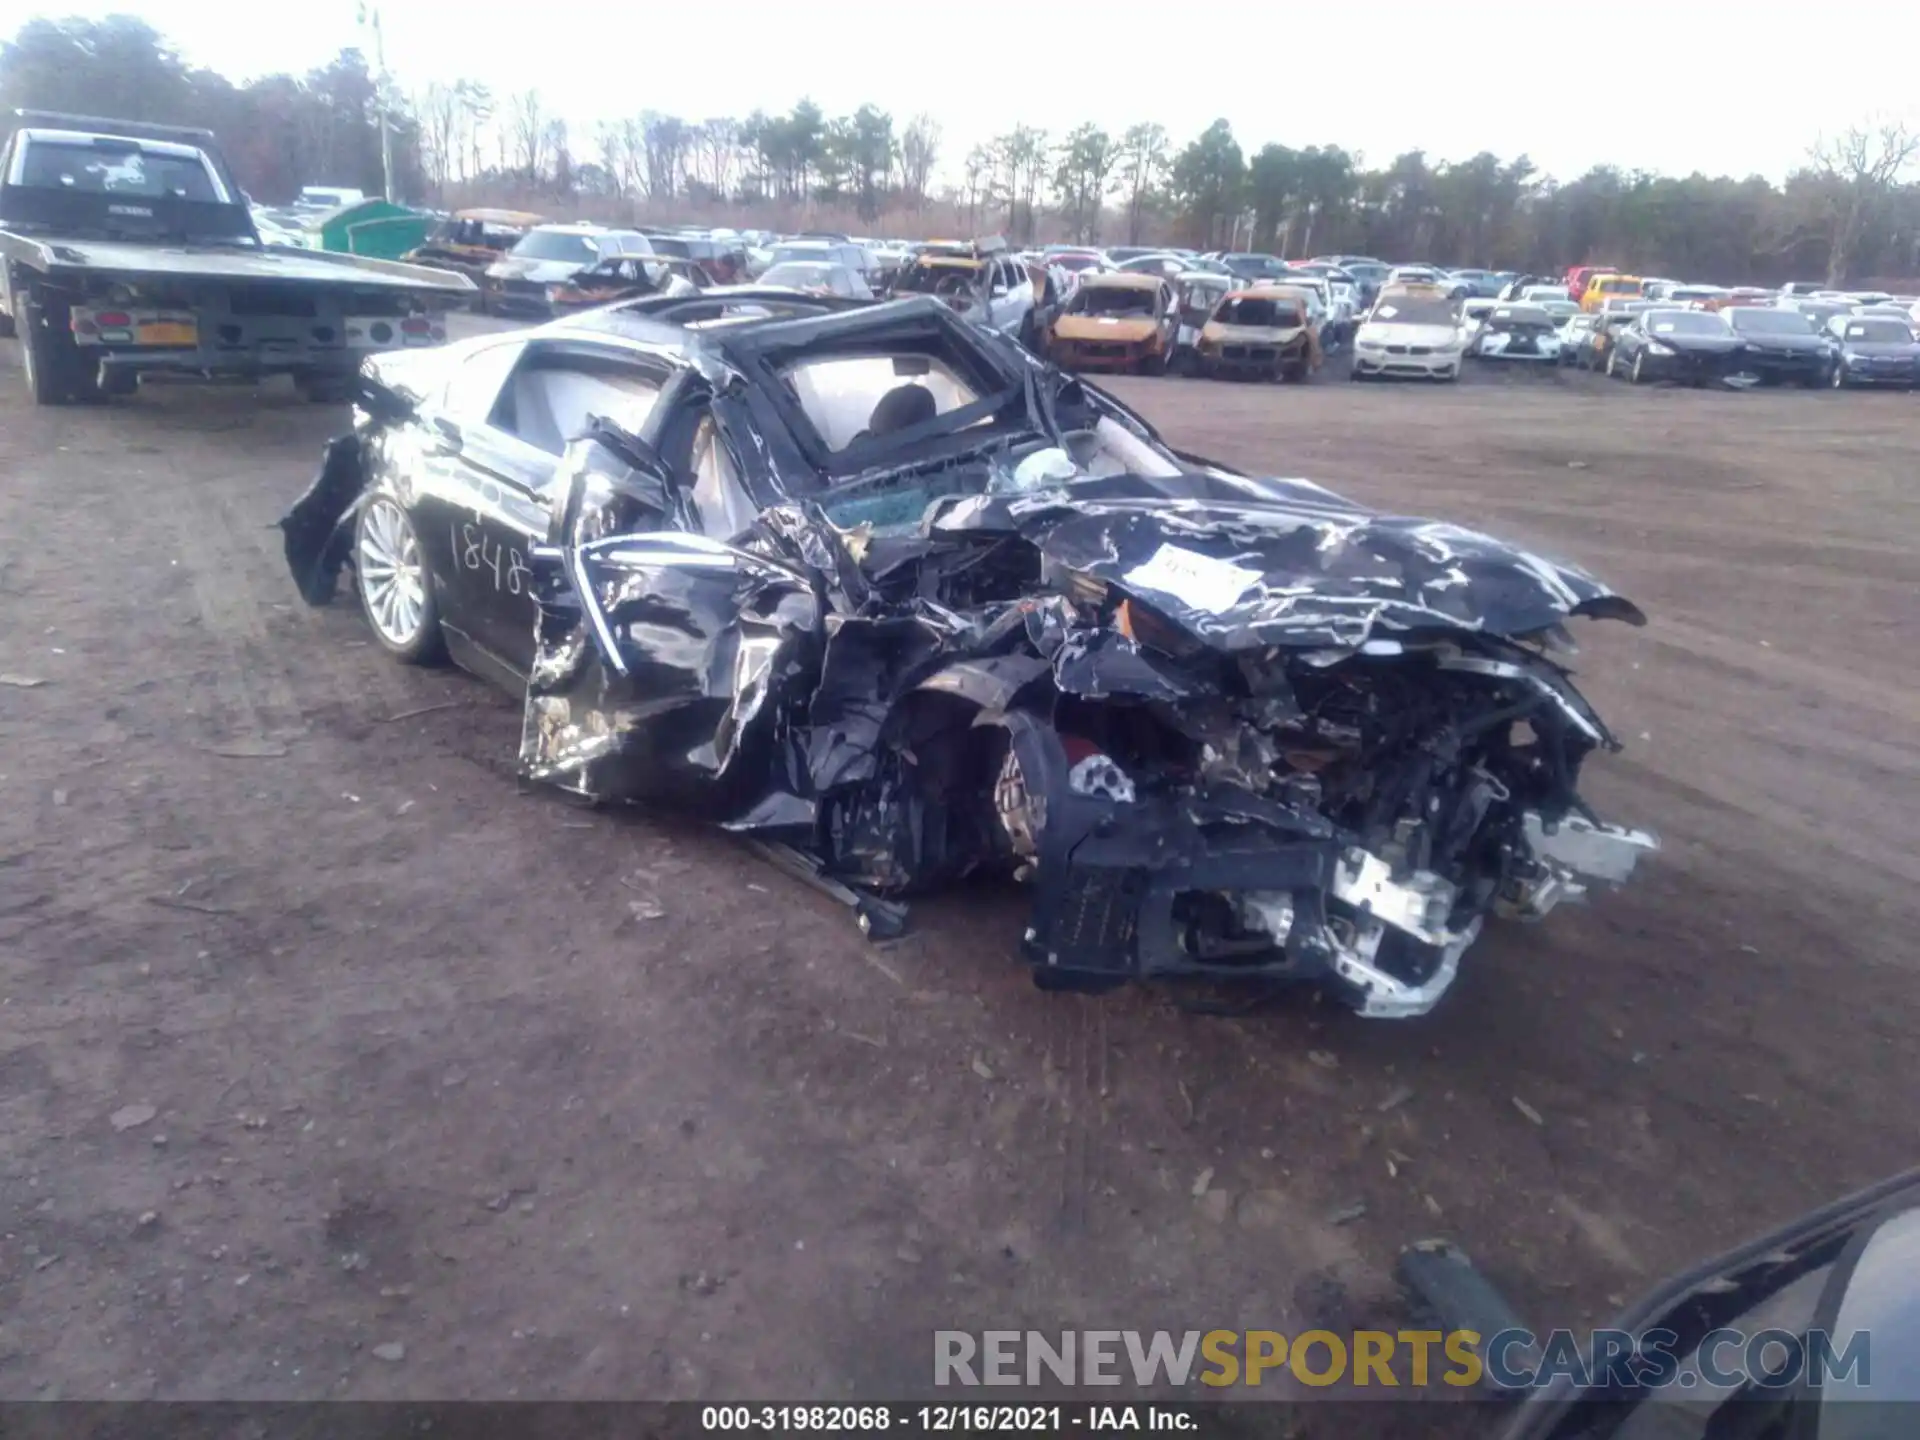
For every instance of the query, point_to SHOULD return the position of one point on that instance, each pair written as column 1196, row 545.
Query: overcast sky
column 1669, row 85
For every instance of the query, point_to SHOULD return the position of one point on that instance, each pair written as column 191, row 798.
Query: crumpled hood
column 1241, row 563
column 1127, row 329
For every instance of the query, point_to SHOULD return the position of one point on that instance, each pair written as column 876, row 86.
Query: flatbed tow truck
column 128, row 250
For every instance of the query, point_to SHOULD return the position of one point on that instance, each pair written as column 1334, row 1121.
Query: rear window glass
column 104, row 170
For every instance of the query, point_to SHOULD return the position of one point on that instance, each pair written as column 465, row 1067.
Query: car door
column 1167, row 314
column 509, row 459
column 485, row 505
column 996, row 306
column 1008, row 304
column 447, row 500
column 1627, row 341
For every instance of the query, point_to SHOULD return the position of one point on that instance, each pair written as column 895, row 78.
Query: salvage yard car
column 977, row 279
column 553, row 267
column 469, row 241
column 1116, row 321
column 1596, row 341
column 1577, row 333
column 1691, row 346
column 1199, row 291
column 1874, row 350
column 1264, row 332
column 1412, row 330
column 1518, row 332
column 904, row 602
column 1781, row 346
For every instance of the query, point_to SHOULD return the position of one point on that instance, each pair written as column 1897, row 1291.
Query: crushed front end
column 1352, row 823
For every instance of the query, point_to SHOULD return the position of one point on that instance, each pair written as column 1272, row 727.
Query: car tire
column 1612, row 373
column 51, row 358
column 1839, row 381
column 395, row 585
column 1154, row 365
column 1637, row 374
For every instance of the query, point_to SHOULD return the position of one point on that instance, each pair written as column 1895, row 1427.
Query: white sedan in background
column 1417, row 335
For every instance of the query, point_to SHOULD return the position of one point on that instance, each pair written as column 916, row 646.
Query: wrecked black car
column 881, row 588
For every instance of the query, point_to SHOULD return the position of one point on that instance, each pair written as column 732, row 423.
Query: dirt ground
column 320, row 1035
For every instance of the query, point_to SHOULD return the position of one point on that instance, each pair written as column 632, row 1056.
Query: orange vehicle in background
column 1605, row 285
column 1579, row 275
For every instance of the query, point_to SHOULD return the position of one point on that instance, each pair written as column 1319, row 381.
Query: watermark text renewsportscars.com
column 1409, row 1359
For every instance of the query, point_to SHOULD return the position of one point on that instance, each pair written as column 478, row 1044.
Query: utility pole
column 383, row 94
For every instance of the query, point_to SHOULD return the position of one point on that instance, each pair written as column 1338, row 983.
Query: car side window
column 471, row 394
column 551, row 398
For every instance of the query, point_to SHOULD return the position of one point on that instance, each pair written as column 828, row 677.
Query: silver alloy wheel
column 393, row 577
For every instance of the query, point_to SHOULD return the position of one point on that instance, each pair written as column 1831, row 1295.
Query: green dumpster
column 378, row 229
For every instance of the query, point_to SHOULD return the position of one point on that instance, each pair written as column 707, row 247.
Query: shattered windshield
column 850, row 397
column 1260, row 310
column 1111, row 300
column 113, row 170
column 556, row 245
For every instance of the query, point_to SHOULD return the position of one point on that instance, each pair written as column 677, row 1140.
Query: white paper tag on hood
column 1197, row 581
